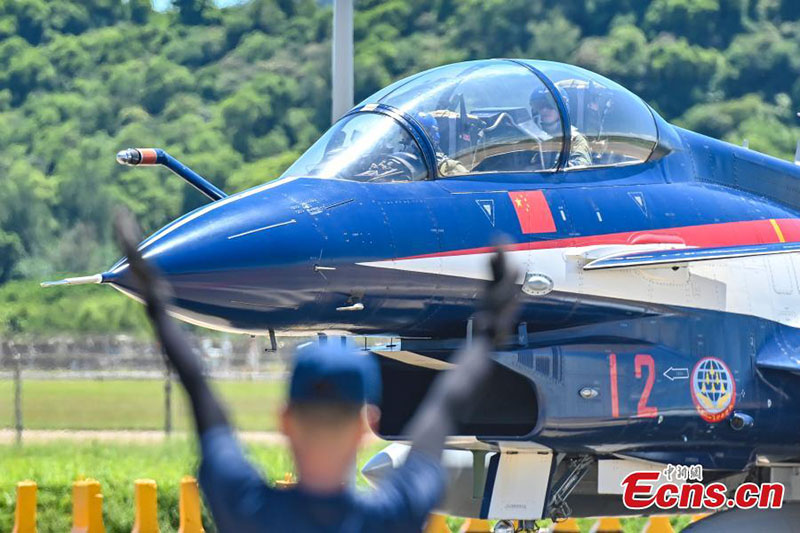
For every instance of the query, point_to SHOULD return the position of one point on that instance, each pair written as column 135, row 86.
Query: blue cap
column 332, row 373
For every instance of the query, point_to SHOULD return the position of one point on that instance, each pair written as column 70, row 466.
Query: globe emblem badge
column 713, row 389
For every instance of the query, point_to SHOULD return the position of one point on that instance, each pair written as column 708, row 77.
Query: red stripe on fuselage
column 703, row 236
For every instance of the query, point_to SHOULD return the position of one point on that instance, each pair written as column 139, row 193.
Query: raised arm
column 413, row 490
column 454, row 391
column 208, row 410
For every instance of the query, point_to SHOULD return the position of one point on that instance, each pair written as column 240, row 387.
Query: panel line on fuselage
column 726, row 285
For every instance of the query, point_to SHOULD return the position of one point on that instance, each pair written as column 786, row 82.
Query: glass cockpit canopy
column 485, row 117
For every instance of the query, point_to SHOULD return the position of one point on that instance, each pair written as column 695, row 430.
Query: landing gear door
column 517, row 485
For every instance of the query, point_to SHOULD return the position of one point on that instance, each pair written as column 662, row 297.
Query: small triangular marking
column 639, row 199
column 487, row 206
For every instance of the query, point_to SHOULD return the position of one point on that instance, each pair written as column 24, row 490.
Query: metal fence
column 122, row 353
column 97, row 358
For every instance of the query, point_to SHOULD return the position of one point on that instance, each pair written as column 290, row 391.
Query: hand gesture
column 497, row 308
column 153, row 287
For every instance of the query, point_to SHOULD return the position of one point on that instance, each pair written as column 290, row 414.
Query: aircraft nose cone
column 386, row 460
column 232, row 262
column 378, row 467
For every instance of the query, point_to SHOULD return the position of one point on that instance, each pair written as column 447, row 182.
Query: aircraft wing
column 677, row 256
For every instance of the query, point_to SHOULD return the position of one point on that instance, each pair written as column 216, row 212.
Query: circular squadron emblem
column 713, row 389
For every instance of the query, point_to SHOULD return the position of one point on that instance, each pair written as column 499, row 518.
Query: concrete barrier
column 658, row 524
column 189, row 505
column 25, row 510
column 437, row 524
column 87, row 507
column 87, row 511
column 607, row 525
column 146, row 506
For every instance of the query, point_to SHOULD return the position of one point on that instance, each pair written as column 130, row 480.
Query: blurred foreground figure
column 325, row 420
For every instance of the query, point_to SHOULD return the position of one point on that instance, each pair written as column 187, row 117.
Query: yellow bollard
column 25, row 512
column 189, row 505
column 570, row 525
column 437, row 524
column 658, row 524
column 87, row 507
column 607, row 525
column 146, row 516
column 476, row 525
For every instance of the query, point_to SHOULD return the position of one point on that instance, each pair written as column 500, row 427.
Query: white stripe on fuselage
column 766, row 287
column 216, row 205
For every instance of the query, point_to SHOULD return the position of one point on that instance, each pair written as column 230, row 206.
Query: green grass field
column 55, row 466
column 131, row 404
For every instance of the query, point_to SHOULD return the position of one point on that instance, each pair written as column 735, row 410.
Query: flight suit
column 242, row 501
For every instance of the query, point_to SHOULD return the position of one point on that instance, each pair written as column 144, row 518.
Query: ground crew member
column 324, row 423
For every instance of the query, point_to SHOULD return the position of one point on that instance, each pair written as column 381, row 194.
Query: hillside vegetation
column 238, row 93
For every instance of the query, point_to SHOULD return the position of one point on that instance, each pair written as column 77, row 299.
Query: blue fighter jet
column 660, row 280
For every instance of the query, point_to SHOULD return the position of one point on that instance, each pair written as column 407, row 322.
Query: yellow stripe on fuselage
column 777, row 229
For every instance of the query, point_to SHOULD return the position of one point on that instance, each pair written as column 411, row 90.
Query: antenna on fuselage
column 746, row 143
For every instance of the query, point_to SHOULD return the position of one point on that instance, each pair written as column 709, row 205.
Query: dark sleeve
column 234, row 490
column 453, row 392
column 409, row 494
column 403, row 500
column 208, row 411
column 456, row 392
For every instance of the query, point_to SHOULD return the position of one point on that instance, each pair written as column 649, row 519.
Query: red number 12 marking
column 612, row 369
column 641, row 360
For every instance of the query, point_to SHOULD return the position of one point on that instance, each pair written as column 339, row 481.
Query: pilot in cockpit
column 546, row 122
column 446, row 165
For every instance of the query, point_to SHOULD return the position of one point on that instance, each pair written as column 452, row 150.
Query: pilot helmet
column 542, row 97
column 428, row 121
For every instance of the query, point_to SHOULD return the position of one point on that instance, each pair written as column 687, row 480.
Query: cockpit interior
column 482, row 117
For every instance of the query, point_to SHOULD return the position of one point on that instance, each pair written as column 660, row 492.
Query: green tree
column 689, row 70
column 10, row 253
column 195, row 11
column 704, row 22
column 238, row 93
column 766, row 60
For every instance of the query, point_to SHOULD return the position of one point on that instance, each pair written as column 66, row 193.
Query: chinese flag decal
column 533, row 212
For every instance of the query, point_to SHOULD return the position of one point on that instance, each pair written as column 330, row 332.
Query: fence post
column 146, row 515
column 189, row 505
column 17, row 394
column 167, row 399
column 25, row 512
column 87, row 507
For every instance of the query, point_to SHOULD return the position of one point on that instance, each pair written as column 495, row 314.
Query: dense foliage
column 238, row 92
